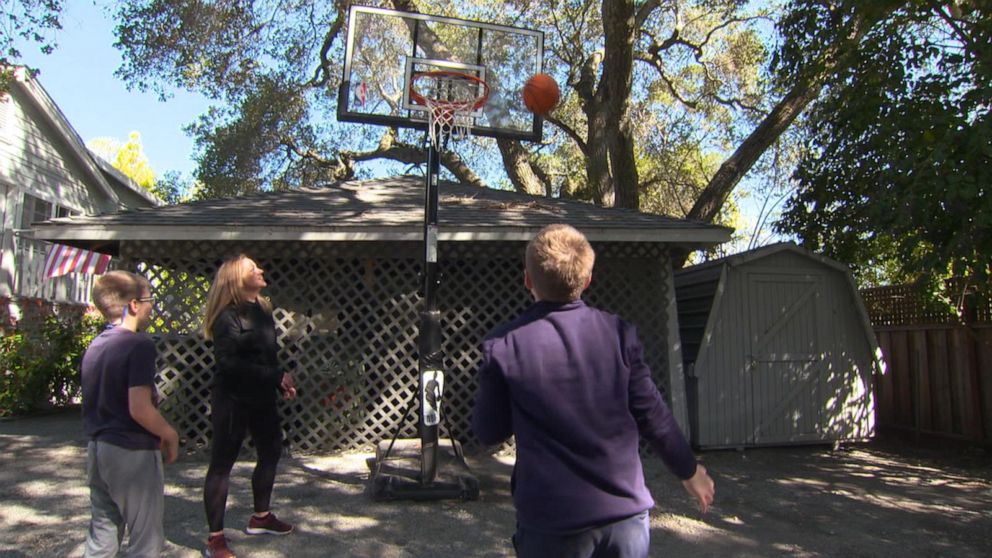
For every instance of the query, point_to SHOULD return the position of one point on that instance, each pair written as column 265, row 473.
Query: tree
column 129, row 158
column 895, row 178
column 642, row 81
column 33, row 21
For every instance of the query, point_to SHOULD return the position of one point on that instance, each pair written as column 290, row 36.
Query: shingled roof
column 374, row 210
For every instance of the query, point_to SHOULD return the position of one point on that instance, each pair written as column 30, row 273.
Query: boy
column 569, row 382
column 125, row 429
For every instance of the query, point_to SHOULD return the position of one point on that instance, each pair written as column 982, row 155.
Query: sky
column 79, row 77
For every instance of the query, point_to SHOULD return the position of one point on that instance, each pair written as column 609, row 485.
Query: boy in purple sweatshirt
column 570, row 383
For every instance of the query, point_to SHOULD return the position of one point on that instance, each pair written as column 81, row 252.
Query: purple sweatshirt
column 570, row 383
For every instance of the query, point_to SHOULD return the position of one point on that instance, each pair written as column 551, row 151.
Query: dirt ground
column 885, row 498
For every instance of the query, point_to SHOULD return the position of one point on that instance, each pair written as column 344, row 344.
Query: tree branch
column 518, row 165
column 322, row 74
column 570, row 132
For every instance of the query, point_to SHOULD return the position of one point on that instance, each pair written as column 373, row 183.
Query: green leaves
column 898, row 169
column 40, row 366
column 33, row 21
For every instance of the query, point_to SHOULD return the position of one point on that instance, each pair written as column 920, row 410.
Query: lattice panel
column 348, row 316
column 909, row 304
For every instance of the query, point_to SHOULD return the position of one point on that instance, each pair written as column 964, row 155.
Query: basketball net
column 451, row 99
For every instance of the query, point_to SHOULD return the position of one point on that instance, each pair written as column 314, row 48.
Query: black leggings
column 230, row 420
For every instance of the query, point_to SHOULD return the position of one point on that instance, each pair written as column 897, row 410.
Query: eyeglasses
column 146, row 299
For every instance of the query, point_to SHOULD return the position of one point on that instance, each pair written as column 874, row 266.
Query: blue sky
column 79, row 76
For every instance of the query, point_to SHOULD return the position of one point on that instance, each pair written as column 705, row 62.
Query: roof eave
column 82, row 233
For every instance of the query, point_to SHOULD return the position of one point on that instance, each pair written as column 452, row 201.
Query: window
column 35, row 210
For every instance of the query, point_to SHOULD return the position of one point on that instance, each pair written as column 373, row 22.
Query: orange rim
column 452, row 106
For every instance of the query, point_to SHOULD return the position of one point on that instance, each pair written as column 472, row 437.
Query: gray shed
column 343, row 265
column 777, row 350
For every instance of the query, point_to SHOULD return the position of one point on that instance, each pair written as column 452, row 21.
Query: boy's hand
column 701, row 487
column 170, row 446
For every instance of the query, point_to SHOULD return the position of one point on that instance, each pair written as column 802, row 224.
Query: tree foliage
column 895, row 178
column 650, row 88
column 30, row 21
column 128, row 157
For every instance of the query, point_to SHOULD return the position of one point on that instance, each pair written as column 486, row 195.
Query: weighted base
column 398, row 475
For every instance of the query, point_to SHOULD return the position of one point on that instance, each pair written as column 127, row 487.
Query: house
column 777, row 350
column 343, row 265
column 47, row 172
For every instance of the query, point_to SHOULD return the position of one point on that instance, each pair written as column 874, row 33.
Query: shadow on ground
column 879, row 499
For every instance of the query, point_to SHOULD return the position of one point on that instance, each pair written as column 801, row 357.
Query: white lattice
column 347, row 314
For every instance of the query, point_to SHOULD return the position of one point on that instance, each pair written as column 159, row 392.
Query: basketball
column 541, row 94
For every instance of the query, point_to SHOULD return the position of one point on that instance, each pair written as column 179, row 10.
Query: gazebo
column 343, row 266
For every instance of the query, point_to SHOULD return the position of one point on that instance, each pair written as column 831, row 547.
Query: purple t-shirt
column 570, row 383
column 118, row 359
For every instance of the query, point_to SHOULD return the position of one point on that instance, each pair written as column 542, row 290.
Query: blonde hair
column 114, row 290
column 559, row 262
column 228, row 289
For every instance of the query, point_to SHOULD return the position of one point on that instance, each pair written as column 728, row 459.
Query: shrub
column 40, row 368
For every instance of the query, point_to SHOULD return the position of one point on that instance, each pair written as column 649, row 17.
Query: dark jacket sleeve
column 655, row 420
column 236, row 350
column 491, row 416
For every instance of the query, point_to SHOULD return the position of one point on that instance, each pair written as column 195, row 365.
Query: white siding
column 6, row 238
column 36, row 159
column 722, row 380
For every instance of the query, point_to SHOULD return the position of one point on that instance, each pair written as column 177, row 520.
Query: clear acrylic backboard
column 385, row 48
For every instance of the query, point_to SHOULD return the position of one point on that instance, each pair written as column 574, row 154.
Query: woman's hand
column 287, row 386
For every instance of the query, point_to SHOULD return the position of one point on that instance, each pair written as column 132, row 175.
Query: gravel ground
column 878, row 499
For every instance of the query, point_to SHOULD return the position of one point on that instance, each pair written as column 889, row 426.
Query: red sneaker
column 268, row 525
column 217, row 548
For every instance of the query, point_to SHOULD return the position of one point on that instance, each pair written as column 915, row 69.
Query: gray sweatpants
column 126, row 491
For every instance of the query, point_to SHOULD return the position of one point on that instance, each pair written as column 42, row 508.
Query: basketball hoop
column 451, row 99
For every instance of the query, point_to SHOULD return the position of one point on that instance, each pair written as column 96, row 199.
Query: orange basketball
column 541, row 94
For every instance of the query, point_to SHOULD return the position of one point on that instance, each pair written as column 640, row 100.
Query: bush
column 41, row 368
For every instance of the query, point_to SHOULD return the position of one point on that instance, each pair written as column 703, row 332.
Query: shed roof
column 699, row 288
column 742, row 258
column 375, row 210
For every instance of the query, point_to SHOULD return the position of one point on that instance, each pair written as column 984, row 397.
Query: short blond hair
column 114, row 290
column 559, row 262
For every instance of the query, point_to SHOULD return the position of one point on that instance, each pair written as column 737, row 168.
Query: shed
column 343, row 264
column 777, row 350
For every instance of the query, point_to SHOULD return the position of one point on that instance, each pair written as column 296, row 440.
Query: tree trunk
column 618, row 66
column 597, row 159
column 712, row 198
column 516, row 160
column 805, row 91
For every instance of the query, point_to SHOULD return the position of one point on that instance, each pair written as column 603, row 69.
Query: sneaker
column 268, row 525
column 217, row 548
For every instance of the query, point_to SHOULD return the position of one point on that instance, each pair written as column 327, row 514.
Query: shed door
column 785, row 365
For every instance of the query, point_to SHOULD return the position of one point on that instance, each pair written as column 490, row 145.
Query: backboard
column 385, row 48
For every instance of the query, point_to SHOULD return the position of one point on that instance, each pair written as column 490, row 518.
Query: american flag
column 362, row 93
column 66, row 259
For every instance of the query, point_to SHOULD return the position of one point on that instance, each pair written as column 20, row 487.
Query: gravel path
column 878, row 499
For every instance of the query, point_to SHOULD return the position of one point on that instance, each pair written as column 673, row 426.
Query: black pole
column 429, row 342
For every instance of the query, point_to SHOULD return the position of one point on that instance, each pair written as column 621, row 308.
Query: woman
column 246, row 380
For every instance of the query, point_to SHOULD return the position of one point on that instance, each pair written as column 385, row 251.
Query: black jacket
column 245, row 353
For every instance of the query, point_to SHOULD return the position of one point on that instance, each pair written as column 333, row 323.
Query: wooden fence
column 938, row 376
